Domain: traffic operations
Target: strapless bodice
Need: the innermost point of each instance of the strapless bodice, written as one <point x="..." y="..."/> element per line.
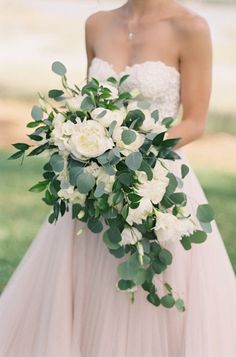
<point x="156" y="82"/>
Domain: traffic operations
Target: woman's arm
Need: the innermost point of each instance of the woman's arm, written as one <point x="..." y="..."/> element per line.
<point x="196" y="80"/>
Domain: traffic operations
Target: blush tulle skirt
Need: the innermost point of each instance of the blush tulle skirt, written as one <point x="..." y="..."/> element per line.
<point x="62" y="300"/>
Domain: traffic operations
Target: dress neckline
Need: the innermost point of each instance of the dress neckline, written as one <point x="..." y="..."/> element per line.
<point x="127" y="67"/>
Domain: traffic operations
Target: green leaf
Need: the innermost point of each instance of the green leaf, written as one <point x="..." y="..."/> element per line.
<point x="74" y="172"/>
<point x="128" y="270"/>
<point x="39" y="187"/>
<point x="123" y="78"/>
<point x="114" y="234"/>
<point x="172" y="185"/>
<point x="59" y="68"/>
<point x="206" y="227"/>
<point x="109" y="243"/>
<point x="165" y="256"/>
<point x="179" y="303"/>
<point x="55" y="93"/>
<point x="186" y="242"/>
<point x="153" y="299"/>
<point x="198" y="237"/>
<point x="85" y="182"/>
<point x="147" y="169"/>
<point x="38" y="150"/>
<point x="125" y="284"/>
<point x="184" y="170"/>
<point x="37" y="113"/>
<point x="16" y="155"/>
<point x="157" y="141"/>
<point x="57" y="163"/>
<point x="155" y="115"/>
<point x="21" y="146"/>
<point x="168" y="301"/>
<point x="134" y="197"/>
<point x="140" y="277"/>
<point x="33" y="124"/>
<point x="125" y="178"/>
<point x="112" y="80"/>
<point x="167" y="121"/>
<point x="179" y="198"/>
<point x="87" y="104"/>
<point x="128" y="136"/>
<point x="125" y="211"/>
<point x="134" y="160"/>
<point x="205" y="213"/>
<point x="99" y="191"/>
<point x="95" y="225"/>
<point x="169" y="143"/>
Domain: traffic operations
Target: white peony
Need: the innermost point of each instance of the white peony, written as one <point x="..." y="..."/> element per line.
<point x="167" y="227"/>
<point x="62" y="132"/>
<point x="170" y="228"/>
<point x="109" y="116"/>
<point x="74" y="103"/>
<point x="89" y="140"/>
<point x="141" y="212"/>
<point x="72" y="195"/>
<point x="127" y="148"/>
<point x="130" y="236"/>
<point x="154" y="189"/>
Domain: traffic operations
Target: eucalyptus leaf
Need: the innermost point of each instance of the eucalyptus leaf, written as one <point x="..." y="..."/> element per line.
<point x="205" y="213"/>
<point x="134" y="160"/>
<point x="37" y="113"/>
<point x="85" y="182"/>
<point x="59" y="68"/>
<point x="57" y="163"/>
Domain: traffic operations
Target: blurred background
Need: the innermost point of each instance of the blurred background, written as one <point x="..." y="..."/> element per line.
<point x="35" y="33"/>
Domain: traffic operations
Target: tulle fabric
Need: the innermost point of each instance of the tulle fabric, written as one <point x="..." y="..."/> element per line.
<point x="62" y="300"/>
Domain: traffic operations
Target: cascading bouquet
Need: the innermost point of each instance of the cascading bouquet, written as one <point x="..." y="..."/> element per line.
<point x="108" y="163"/>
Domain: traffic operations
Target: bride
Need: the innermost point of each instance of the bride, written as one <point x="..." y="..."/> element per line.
<point x="62" y="301"/>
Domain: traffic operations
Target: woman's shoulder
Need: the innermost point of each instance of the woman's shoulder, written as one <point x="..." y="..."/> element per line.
<point x="99" y="18"/>
<point x="189" y="23"/>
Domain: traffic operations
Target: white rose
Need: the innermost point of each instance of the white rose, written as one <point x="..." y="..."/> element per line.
<point x="167" y="227"/>
<point x="62" y="131"/>
<point x="141" y="212"/>
<point x="154" y="189"/>
<point x="114" y="91"/>
<point x="74" y="103"/>
<point x="89" y="140"/>
<point x="72" y="195"/>
<point x="109" y="116"/>
<point x="107" y="179"/>
<point x="130" y="236"/>
<point x="127" y="148"/>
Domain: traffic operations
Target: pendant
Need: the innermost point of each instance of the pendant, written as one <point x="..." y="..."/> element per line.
<point x="130" y="35"/>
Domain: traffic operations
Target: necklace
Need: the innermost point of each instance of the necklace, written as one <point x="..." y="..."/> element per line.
<point x="130" y="35"/>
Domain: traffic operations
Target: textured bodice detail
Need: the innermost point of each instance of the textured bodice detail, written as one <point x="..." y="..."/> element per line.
<point x="156" y="82"/>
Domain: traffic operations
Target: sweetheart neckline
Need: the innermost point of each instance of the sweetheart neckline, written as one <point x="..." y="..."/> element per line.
<point x="134" y="65"/>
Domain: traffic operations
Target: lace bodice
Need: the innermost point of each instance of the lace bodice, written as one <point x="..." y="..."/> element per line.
<point x="156" y="82"/>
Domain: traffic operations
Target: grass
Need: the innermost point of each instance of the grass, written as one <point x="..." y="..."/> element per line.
<point x="23" y="212"/>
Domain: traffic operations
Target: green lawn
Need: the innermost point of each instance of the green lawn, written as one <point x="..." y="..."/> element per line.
<point x="22" y="212"/>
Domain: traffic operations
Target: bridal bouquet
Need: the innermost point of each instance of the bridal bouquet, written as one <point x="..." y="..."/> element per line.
<point x="108" y="162"/>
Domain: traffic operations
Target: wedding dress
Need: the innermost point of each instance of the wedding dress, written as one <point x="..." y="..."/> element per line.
<point x="62" y="300"/>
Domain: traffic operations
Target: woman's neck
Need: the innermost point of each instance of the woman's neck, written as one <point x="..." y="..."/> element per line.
<point x="140" y="8"/>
